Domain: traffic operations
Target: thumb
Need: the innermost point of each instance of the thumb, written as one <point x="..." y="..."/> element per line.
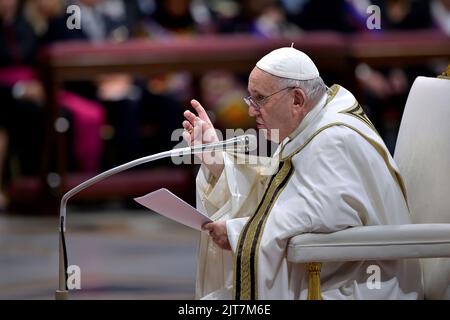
<point x="208" y="226"/>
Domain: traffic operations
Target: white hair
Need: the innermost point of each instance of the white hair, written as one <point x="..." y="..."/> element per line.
<point x="312" y="88"/>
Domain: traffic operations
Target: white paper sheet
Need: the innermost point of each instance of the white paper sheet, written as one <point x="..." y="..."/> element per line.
<point x="169" y="205"/>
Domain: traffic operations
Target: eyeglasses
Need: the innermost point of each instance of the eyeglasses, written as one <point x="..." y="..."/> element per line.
<point x="258" y="103"/>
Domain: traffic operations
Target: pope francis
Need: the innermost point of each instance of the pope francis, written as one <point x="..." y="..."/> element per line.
<point x="331" y="171"/>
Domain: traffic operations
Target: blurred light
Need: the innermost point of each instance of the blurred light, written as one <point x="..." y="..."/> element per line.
<point x="61" y="125"/>
<point x="363" y="71"/>
<point x="53" y="180"/>
<point x="107" y="132"/>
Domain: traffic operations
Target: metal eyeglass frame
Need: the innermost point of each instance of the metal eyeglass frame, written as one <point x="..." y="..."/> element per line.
<point x="257" y="104"/>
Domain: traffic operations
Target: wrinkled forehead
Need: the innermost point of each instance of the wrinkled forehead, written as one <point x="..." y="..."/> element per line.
<point x="261" y="81"/>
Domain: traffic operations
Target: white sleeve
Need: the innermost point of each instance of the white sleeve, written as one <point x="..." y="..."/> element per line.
<point x="224" y="197"/>
<point x="212" y="193"/>
<point x="234" y="229"/>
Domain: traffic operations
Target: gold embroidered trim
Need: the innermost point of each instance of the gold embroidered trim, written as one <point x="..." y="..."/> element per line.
<point x="332" y="92"/>
<point x="357" y="112"/>
<point x="246" y="258"/>
<point x="286" y="181"/>
<point x="445" y="74"/>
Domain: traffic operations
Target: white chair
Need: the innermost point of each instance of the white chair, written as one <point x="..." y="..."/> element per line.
<point x="423" y="156"/>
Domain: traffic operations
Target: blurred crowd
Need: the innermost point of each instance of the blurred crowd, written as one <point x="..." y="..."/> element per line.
<point x="118" y="117"/>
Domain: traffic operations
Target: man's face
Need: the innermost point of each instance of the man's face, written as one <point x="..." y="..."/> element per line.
<point x="275" y="112"/>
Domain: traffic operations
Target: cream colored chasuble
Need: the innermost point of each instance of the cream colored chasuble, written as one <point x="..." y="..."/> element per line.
<point x="332" y="173"/>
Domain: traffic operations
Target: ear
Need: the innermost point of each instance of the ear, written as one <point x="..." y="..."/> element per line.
<point x="299" y="99"/>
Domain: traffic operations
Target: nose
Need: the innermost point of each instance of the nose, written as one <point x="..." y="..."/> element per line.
<point x="252" y="111"/>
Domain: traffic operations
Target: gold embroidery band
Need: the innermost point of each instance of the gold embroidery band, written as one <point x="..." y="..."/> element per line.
<point x="358" y="112"/>
<point x="246" y="273"/>
<point x="237" y="273"/>
<point x="332" y="92"/>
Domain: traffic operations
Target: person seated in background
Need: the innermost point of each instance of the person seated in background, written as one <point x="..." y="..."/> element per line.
<point x="386" y="89"/>
<point x="440" y="15"/>
<point x="3" y="150"/>
<point x="113" y="107"/>
<point x="138" y="120"/>
<point x="177" y="18"/>
<point x="21" y="94"/>
<point x="266" y="18"/>
<point x="345" y="16"/>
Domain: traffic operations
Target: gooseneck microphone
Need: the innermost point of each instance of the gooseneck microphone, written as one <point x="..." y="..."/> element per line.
<point x="241" y="144"/>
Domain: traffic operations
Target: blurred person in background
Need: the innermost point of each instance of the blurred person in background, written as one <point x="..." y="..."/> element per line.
<point x="110" y="20"/>
<point x="49" y="21"/>
<point x="265" y="18"/>
<point x="21" y="93"/>
<point x="84" y="115"/>
<point x="173" y="19"/>
<point x="139" y="119"/>
<point x="327" y="15"/>
<point x="178" y="18"/>
<point x="165" y="92"/>
<point x="112" y="106"/>
<point x="222" y="90"/>
<point x="386" y="89"/>
<point x="440" y="15"/>
<point x="404" y="14"/>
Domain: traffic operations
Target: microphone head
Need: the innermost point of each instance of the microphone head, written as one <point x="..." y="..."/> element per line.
<point x="244" y="144"/>
<point x="240" y="144"/>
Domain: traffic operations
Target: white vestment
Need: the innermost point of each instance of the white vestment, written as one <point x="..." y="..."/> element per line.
<point x="332" y="173"/>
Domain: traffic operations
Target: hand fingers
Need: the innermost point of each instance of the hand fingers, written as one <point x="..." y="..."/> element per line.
<point x="190" y="116"/>
<point x="208" y="226"/>
<point x="214" y="231"/>
<point x="187" y="125"/>
<point x="187" y="137"/>
<point x="198" y="130"/>
<point x="200" y="110"/>
<point x="189" y="129"/>
<point x="222" y="243"/>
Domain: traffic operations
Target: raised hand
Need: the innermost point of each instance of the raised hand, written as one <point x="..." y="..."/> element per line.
<point x="200" y="130"/>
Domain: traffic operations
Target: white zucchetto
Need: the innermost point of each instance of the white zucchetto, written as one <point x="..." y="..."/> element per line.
<point x="288" y="63"/>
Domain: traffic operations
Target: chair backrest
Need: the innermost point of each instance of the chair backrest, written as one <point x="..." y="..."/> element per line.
<point x="423" y="156"/>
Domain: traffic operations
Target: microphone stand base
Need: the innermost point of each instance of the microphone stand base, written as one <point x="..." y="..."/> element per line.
<point x="61" y="295"/>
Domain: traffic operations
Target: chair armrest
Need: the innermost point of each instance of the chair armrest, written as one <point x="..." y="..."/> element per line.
<point x="385" y="242"/>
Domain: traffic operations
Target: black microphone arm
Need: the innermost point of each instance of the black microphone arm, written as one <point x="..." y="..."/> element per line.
<point x="244" y="143"/>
